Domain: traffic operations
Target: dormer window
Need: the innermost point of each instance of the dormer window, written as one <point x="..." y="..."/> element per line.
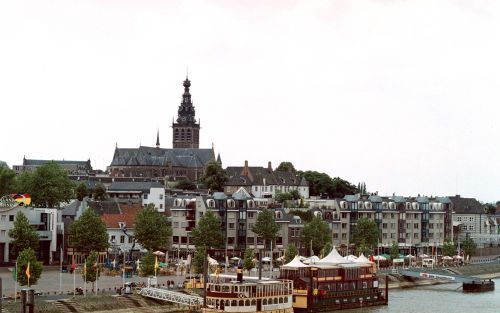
<point x="211" y="203"/>
<point x="230" y="203"/>
<point x="122" y="225"/>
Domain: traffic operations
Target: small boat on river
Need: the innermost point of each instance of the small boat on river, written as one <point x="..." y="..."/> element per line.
<point x="478" y="286"/>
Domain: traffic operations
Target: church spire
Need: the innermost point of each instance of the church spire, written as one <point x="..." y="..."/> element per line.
<point x="158" y="139"/>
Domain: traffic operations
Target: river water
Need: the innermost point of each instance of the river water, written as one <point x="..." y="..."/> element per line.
<point x="445" y="298"/>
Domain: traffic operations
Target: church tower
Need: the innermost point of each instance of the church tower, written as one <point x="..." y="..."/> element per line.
<point x="186" y="131"/>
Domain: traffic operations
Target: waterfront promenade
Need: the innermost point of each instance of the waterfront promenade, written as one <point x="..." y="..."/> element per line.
<point x="49" y="281"/>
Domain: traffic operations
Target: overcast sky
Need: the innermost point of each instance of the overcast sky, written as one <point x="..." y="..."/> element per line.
<point x="402" y="95"/>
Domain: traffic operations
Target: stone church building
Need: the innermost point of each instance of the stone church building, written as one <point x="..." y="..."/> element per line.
<point x="185" y="160"/>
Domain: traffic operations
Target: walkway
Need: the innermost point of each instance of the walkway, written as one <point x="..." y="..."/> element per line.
<point x="171" y="296"/>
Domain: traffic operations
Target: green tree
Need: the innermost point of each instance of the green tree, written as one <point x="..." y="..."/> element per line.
<point x="366" y="231"/>
<point x="295" y="194"/>
<point x="208" y="232"/>
<point x="469" y="247"/>
<point x="91" y="273"/>
<point x="152" y="229"/>
<point x="81" y="191"/>
<point x="320" y="184"/>
<point x="7" y="181"/>
<point x="248" y="263"/>
<point x="362" y="188"/>
<point x="449" y="249"/>
<point x="23" y="235"/>
<point x="394" y="251"/>
<point x="282" y="197"/>
<point x="317" y="234"/>
<point x="199" y="257"/>
<point x="214" y="177"/>
<point x="286" y="167"/>
<point x="341" y="188"/>
<point x="147" y="264"/>
<point x="89" y="232"/>
<point x="99" y="192"/>
<point x="266" y="227"/>
<point x="28" y="256"/>
<point x="290" y="252"/>
<point x="185" y="185"/>
<point x="51" y="186"/>
<point x="327" y="248"/>
<point x="24" y="182"/>
<point x="363" y="248"/>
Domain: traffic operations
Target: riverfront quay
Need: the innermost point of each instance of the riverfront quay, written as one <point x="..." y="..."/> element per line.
<point x="442" y="298"/>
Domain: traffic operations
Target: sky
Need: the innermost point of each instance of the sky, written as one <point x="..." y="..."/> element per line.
<point x="401" y="95"/>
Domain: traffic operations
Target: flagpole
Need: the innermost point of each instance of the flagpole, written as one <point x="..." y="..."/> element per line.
<point x="15" y="284"/>
<point x="85" y="277"/>
<point x="60" y="272"/>
<point x="74" y="281"/>
<point x="28" y="274"/>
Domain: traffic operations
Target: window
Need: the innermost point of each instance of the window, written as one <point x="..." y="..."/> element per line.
<point x="344" y="236"/>
<point x="431" y="226"/>
<point x="113" y="238"/>
<point x="122" y="239"/>
<point x="230" y="240"/>
<point x="415" y="216"/>
<point x="176" y="224"/>
<point x="407" y="236"/>
<point x="335" y="236"/>
<point x="384" y="225"/>
<point x="471" y="227"/>
<point x="161" y="206"/>
<point x="11" y="218"/>
<point x="415" y="226"/>
<point x="250" y="214"/>
<point x="145" y="196"/>
<point x="393" y="225"/>
<point x="393" y="236"/>
<point x="393" y="215"/>
<point x="384" y="236"/>
<point x="344" y="225"/>
<point x="161" y="197"/>
<point x="415" y="235"/>
<point x="344" y="215"/>
<point x="231" y="225"/>
<point x="130" y="240"/>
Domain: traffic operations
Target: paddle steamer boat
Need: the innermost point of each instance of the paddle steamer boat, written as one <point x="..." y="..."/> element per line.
<point x="262" y="296"/>
<point x="333" y="283"/>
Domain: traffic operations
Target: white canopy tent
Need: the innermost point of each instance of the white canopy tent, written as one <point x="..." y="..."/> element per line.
<point x="294" y="264"/>
<point x="362" y="259"/>
<point x="351" y="258"/>
<point x="333" y="258"/>
<point x="311" y="260"/>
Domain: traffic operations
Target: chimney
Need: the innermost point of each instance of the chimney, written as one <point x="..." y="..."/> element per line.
<point x="269" y="167"/>
<point x="245" y="169"/>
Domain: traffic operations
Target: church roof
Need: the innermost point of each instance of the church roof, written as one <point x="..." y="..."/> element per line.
<point x="151" y="156"/>
<point x="257" y="175"/>
<point x="134" y="186"/>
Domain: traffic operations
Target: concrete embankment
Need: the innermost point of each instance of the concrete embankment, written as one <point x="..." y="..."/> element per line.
<point x="484" y="271"/>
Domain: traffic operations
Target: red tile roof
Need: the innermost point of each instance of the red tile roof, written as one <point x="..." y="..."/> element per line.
<point x="129" y="212"/>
